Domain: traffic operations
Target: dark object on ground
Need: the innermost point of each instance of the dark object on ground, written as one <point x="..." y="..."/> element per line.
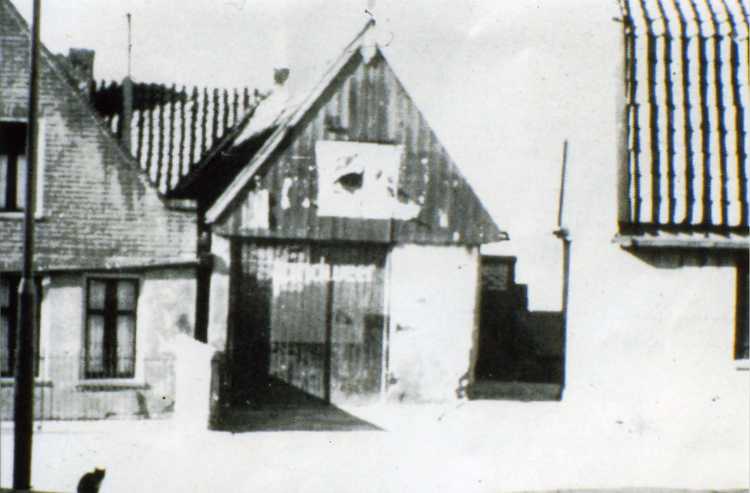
<point x="91" y="481"/>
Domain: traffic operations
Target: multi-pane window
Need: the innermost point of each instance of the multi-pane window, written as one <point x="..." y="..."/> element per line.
<point x="110" y="328"/>
<point x="8" y="324"/>
<point x="12" y="165"/>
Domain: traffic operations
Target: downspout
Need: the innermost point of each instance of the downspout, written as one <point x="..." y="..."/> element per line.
<point x="203" y="274"/>
<point x="564" y="235"/>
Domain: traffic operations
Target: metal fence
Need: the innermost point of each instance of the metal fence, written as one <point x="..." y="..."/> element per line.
<point x="61" y="392"/>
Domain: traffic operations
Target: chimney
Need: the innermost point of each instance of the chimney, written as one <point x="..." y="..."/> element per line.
<point x="280" y="75"/>
<point x="126" y="116"/>
<point x="79" y="69"/>
<point x="82" y="61"/>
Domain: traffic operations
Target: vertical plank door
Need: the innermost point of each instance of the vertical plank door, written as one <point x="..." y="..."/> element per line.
<point x="357" y="323"/>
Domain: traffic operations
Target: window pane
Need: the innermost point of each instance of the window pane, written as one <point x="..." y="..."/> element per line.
<point x="20" y="198"/>
<point x="97" y="292"/>
<point x="126" y="295"/>
<point x="125" y="340"/>
<point x="4" y="293"/>
<point x="3" y="181"/>
<point x="95" y="361"/>
<point x="5" y="348"/>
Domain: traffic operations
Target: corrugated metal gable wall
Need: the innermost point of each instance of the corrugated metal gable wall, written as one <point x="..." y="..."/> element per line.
<point x="366" y="103"/>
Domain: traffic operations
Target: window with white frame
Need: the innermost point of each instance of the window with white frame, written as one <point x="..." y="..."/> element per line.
<point x="12" y="166"/>
<point x="109" y="346"/>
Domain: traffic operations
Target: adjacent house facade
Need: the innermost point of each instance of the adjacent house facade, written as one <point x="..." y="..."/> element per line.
<point x="657" y="329"/>
<point x="114" y="263"/>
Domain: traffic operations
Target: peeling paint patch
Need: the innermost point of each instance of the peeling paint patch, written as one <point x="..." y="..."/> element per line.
<point x="256" y="210"/>
<point x="443" y="219"/>
<point x="285" y="189"/>
<point x="406" y="211"/>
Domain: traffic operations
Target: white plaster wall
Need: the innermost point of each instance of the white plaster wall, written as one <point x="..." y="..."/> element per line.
<point x="166" y="307"/>
<point x="649" y="342"/>
<point x="61" y="323"/>
<point x="219" y="295"/>
<point x="433" y="296"/>
<point x="193" y="381"/>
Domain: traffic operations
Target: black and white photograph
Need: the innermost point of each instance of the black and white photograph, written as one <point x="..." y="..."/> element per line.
<point x="374" y="246"/>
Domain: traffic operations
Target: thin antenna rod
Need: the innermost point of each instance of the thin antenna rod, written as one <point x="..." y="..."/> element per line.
<point x="562" y="184"/>
<point x="130" y="44"/>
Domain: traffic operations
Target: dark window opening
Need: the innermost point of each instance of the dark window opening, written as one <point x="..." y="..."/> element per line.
<point x="111" y="306"/>
<point x="9" y="304"/>
<point x="351" y="182"/>
<point x="742" y="328"/>
<point x="12" y="165"/>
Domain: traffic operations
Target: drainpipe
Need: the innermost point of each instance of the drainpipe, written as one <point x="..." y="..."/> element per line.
<point x="564" y="235"/>
<point x="203" y="274"/>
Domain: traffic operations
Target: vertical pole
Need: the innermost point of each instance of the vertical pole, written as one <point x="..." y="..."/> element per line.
<point x="565" y="293"/>
<point x="130" y="43"/>
<point x="23" y="410"/>
<point x="561" y="197"/>
<point x="564" y="236"/>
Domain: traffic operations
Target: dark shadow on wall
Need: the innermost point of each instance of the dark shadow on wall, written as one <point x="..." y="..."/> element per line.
<point x="521" y="352"/>
<point x="675" y="258"/>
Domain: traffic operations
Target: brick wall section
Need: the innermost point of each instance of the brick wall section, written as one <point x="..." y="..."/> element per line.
<point x="99" y="209"/>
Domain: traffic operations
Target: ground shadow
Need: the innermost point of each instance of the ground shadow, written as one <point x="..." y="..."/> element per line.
<point x="283" y="407"/>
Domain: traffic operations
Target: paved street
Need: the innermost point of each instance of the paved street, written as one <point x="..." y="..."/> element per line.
<point x="469" y="447"/>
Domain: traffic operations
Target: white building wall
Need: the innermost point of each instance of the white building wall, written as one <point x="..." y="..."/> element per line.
<point x="433" y="294"/>
<point x="650" y="337"/>
<point x="166" y="307"/>
<point x="219" y="294"/>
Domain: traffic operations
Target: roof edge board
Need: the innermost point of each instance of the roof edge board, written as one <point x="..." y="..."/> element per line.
<point x="238" y="184"/>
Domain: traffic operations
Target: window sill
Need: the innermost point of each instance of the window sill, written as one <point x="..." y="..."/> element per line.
<point x="19" y="216"/>
<point x="13" y="215"/>
<point x="742" y="365"/>
<point x="6" y="382"/>
<point x="110" y="384"/>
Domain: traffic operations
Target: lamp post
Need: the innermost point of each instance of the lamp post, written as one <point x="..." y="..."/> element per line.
<point x="23" y="410"/>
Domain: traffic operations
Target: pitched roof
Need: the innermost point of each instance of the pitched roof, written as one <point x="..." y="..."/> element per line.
<point x="285" y="113"/>
<point x="94" y="189"/>
<point x="278" y="117"/>
<point x="687" y="114"/>
<point x="62" y="73"/>
<point x="173" y="129"/>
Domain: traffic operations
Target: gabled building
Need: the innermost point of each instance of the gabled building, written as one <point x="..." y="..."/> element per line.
<point x="345" y="243"/>
<point x="115" y="262"/>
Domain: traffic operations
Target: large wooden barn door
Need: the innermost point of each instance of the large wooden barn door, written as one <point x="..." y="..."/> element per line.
<point x="312" y="315"/>
<point x="356" y="323"/>
<point x="298" y="322"/>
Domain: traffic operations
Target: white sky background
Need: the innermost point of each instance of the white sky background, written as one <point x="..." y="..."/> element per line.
<point x="502" y="83"/>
